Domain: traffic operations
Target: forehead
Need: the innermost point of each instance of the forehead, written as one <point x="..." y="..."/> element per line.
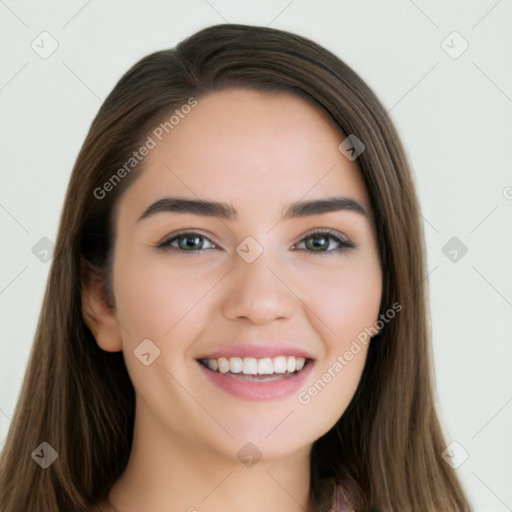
<point x="249" y="146"/>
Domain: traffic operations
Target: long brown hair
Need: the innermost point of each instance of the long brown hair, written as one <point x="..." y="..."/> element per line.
<point x="385" y="449"/>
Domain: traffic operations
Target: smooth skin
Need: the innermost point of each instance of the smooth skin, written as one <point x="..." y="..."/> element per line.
<point x="258" y="151"/>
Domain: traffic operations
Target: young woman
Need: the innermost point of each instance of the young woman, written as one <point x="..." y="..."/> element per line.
<point x="236" y="313"/>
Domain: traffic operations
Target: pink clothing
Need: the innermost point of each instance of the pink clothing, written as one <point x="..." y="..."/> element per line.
<point x="341" y="501"/>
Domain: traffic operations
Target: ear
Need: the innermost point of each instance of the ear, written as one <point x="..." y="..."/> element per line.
<point x="99" y="316"/>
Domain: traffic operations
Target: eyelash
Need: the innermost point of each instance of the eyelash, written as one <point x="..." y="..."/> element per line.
<point x="343" y="244"/>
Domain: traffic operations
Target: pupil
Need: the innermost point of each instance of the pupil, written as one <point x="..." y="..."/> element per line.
<point x="318" y="242"/>
<point x="195" y="242"/>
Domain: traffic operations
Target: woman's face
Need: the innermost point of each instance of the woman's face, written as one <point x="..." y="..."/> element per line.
<point x="245" y="285"/>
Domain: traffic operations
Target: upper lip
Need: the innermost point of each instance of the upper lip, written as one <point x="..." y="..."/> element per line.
<point x="258" y="350"/>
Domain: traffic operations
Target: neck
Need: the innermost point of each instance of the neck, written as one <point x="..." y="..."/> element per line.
<point x="167" y="474"/>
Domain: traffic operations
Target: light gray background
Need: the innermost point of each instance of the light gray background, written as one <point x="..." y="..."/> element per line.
<point x="453" y="114"/>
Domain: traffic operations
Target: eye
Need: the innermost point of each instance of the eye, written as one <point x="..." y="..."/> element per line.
<point x="188" y="241"/>
<point x="319" y="241"/>
<point x="326" y="241"/>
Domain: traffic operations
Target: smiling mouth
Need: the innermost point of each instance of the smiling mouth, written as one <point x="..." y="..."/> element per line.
<point x="254" y="369"/>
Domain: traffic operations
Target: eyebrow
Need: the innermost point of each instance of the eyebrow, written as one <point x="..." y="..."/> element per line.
<point x="228" y="212"/>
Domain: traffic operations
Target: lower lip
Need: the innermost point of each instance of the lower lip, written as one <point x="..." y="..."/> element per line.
<point x="251" y="390"/>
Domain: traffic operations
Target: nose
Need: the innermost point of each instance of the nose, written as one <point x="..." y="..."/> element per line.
<point x="259" y="292"/>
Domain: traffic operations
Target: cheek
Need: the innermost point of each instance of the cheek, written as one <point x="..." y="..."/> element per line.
<point x="162" y="303"/>
<point x="345" y="299"/>
<point x="153" y="298"/>
<point x="347" y="302"/>
<point x="326" y="397"/>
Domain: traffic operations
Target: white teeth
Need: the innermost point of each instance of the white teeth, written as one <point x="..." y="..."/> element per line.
<point x="279" y="364"/>
<point x="236" y="364"/>
<point x="223" y="365"/>
<point x="257" y="366"/>
<point x="250" y="366"/>
<point x="265" y="366"/>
